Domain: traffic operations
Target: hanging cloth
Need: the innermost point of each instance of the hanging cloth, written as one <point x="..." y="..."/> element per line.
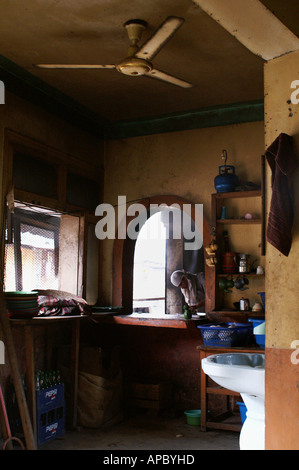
<point x="282" y="161"/>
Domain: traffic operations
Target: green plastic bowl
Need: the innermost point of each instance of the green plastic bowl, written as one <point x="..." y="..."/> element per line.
<point x="193" y="417"/>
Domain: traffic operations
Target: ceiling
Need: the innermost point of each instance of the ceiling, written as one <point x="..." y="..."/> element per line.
<point x="202" y="52"/>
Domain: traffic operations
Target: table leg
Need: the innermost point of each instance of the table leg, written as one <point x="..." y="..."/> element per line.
<point x="74" y="370"/>
<point x="203" y="395"/>
<point x="30" y="376"/>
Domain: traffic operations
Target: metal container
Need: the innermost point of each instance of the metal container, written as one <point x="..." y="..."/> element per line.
<point x="227" y="180"/>
<point x="244" y="304"/>
<point x="244" y="264"/>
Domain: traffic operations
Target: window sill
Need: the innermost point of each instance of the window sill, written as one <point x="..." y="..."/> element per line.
<point x="139" y="319"/>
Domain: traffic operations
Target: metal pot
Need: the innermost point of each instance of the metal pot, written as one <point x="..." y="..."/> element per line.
<point x="244" y="304"/>
<point x="244" y="263"/>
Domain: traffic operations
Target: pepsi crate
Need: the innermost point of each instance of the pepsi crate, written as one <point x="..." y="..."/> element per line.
<point x="51" y="396"/>
<point x="50" y="423"/>
<point x="226" y="334"/>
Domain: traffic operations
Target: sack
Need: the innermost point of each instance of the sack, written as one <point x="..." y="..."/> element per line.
<point x="99" y="400"/>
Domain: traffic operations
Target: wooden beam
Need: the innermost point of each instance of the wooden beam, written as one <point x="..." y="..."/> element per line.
<point x="31" y="88"/>
<point x="256" y="27"/>
<point x="234" y="113"/>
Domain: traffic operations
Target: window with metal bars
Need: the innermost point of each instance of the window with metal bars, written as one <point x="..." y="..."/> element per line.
<point x="34" y="247"/>
<point x="31" y="250"/>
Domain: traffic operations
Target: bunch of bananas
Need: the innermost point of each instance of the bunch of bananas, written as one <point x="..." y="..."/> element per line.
<point x="211" y="251"/>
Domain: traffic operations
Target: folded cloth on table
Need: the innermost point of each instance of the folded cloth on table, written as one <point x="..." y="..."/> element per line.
<point x="53" y="302"/>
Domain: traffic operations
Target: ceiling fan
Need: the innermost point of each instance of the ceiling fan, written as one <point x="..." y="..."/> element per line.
<point x="138" y="61"/>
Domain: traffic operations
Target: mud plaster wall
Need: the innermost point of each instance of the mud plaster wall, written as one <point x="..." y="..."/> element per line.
<point x="182" y="164"/>
<point x="282" y="311"/>
<point x="282" y="316"/>
<point x="179" y="163"/>
<point x="31" y="121"/>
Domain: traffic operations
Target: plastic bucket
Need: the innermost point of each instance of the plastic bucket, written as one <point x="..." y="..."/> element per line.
<point x="260" y="340"/>
<point x="258" y="330"/>
<point x="243" y="410"/>
<point x="193" y="417"/>
<point x="258" y="325"/>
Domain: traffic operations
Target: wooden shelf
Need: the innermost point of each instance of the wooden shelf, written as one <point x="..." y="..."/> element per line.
<point x="221" y="391"/>
<point x="237" y="194"/>
<point x="226" y="421"/>
<point x="234" y="315"/>
<point x="239" y="312"/>
<point x="239" y="221"/>
<point x="47" y="320"/>
<point x="256" y="223"/>
<point x="239" y="274"/>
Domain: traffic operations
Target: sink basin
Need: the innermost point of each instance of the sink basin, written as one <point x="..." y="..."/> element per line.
<point x="243" y="373"/>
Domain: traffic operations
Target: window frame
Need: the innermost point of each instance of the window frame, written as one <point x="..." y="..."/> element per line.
<point x="123" y="257"/>
<point x="19" y="218"/>
<point x="65" y="163"/>
<point x="164" y="298"/>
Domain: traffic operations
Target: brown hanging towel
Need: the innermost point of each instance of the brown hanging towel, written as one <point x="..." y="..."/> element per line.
<point x="282" y="161"/>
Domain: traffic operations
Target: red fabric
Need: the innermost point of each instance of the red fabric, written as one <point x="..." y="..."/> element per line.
<point x="53" y="303"/>
<point x="282" y="161"/>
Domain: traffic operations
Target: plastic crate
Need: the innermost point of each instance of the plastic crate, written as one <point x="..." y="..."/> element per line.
<point x="50" y="423"/>
<point x="51" y="396"/>
<point x="225" y="335"/>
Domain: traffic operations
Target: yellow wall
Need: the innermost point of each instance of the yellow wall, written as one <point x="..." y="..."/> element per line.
<point x="282" y="311"/>
<point x="282" y="273"/>
<point x="179" y="163"/>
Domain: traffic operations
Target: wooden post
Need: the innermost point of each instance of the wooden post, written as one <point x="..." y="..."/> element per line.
<point x="30" y="375"/>
<point x="74" y="369"/>
<point x="11" y="354"/>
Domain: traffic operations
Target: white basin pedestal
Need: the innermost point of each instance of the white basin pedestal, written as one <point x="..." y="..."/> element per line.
<point x="243" y="373"/>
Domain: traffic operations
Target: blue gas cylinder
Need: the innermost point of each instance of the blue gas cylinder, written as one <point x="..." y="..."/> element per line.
<point x="227" y="180"/>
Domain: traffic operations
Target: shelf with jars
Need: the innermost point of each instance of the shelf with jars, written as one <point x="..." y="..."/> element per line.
<point x="238" y="260"/>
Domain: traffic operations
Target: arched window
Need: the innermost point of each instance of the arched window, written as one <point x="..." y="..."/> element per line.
<point x="142" y="267"/>
<point x="149" y="289"/>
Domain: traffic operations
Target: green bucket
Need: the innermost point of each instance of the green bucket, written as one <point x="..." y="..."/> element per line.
<point x="193" y="417"/>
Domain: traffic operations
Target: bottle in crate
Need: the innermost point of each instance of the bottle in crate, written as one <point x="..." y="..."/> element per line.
<point x="50" y="423"/>
<point x="50" y="405"/>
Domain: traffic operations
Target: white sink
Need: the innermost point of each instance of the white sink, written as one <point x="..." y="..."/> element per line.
<point x="243" y="373"/>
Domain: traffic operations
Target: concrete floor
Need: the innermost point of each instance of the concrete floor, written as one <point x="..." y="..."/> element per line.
<point x="146" y="431"/>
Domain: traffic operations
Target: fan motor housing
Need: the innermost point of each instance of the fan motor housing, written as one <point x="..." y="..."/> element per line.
<point x="134" y="66"/>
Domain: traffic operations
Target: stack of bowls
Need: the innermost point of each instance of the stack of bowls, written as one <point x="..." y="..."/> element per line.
<point x="22" y="304"/>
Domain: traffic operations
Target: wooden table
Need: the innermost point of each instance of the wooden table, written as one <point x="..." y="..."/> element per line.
<point x="28" y="325"/>
<point x="218" y="423"/>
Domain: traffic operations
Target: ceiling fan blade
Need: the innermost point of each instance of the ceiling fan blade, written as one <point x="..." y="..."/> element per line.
<point x="165" y="77"/>
<point x="153" y="45"/>
<point x="74" y="66"/>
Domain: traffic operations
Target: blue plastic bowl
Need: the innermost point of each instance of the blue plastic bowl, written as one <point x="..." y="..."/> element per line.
<point x="256" y="322"/>
<point x="260" y="340"/>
